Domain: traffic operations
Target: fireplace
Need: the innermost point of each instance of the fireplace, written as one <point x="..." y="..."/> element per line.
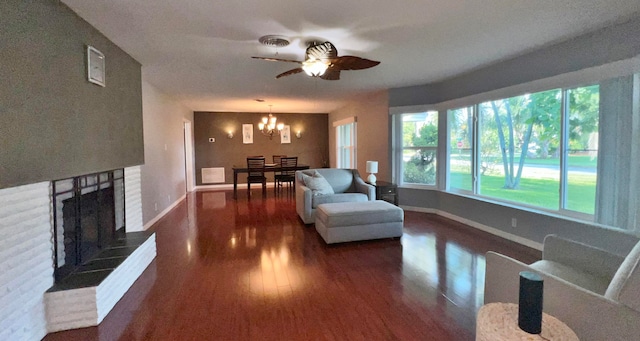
<point x="96" y="262"/>
<point x="88" y="217"/>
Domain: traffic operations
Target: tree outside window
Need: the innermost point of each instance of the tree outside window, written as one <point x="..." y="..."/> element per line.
<point x="419" y="147"/>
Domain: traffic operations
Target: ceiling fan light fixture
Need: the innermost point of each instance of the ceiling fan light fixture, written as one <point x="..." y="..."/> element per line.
<point x="319" y="57"/>
<point x="314" y="67"/>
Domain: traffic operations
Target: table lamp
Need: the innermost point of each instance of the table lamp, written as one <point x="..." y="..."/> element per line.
<point x="372" y="169"/>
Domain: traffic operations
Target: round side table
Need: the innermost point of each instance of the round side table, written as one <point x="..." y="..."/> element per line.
<point x="499" y="321"/>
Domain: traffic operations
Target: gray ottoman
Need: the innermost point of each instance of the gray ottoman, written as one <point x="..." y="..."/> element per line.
<point x="350" y="221"/>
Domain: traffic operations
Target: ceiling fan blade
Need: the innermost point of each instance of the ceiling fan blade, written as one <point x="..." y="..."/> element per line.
<point x="290" y="72"/>
<point x="278" y="60"/>
<point x="322" y="51"/>
<point x="352" y="63"/>
<point x="331" y="74"/>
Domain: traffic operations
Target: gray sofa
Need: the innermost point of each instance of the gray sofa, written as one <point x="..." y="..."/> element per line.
<point x="347" y="185"/>
<point x="595" y="291"/>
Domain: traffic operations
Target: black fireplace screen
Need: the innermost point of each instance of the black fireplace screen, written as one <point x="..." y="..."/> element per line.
<point x="88" y="214"/>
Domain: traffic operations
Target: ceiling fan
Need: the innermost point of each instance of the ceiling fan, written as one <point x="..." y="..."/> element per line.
<point x="321" y="60"/>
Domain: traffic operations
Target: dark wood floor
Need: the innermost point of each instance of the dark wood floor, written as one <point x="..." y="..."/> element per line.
<point x="250" y="270"/>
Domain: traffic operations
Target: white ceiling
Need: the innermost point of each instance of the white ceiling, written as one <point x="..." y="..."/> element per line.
<point x="199" y="50"/>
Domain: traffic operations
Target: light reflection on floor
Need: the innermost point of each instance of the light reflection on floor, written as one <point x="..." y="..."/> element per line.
<point x="444" y="268"/>
<point x="251" y="269"/>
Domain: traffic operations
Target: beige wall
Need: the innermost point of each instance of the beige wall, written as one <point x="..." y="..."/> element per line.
<point x="373" y="132"/>
<point x="163" y="172"/>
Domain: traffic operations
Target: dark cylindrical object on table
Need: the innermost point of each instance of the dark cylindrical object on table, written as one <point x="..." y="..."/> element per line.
<point x="530" y="303"/>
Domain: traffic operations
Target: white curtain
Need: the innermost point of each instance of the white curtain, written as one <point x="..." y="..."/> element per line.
<point x="619" y="159"/>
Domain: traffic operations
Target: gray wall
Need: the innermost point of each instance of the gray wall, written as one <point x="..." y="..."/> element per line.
<point x="54" y="123"/>
<point x="616" y="43"/>
<point x="531" y="225"/>
<point x="311" y="149"/>
<point x="608" y="45"/>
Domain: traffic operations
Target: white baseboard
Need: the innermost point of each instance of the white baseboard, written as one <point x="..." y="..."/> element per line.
<point x="222" y="187"/>
<point x="163" y="213"/>
<point x="213" y="187"/>
<point x="492" y="230"/>
<point x="419" y="209"/>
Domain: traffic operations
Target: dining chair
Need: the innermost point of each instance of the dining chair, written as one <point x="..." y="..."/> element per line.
<point x="276" y="161"/>
<point x="255" y="166"/>
<point x="288" y="174"/>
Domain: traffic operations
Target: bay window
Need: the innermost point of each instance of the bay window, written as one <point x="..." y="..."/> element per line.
<point x="570" y="151"/>
<point x="538" y="149"/>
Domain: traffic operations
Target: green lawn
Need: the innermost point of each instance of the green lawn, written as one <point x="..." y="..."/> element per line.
<point x="536" y="192"/>
<point x="540" y="189"/>
<point x="582" y="161"/>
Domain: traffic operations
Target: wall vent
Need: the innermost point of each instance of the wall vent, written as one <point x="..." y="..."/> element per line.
<point x="212" y="175"/>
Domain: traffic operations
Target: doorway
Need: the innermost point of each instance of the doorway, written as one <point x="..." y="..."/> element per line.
<point x="188" y="157"/>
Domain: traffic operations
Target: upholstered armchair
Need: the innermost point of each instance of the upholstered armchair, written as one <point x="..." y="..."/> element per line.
<point x="346" y="185"/>
<point x="596" y="292"/>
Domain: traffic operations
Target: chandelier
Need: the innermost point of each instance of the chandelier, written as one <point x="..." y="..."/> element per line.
<point x="269" y="127"/>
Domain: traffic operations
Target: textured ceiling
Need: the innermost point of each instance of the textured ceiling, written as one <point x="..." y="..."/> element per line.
<point x="199" y="50"/>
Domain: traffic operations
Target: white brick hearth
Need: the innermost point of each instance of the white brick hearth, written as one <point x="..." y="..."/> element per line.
<point x="26" y="266"/>
<point x="84" y="307"/>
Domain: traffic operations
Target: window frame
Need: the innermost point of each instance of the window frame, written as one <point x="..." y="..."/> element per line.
<point x="475" y="167"/>
<point x="350" y="124"/>
<point x="474" y="151"/>
<point x="398" y="149"/>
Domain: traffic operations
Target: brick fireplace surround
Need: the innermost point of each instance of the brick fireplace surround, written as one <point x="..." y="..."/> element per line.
<point x="27" y="310"/>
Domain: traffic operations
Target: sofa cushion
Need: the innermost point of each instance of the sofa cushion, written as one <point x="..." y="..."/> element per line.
<point x="337" y="197"/>
<point x="317" y="184"/>
<point x="580" y="278"/>
<point x="625" y="284"/>
<point x="340" y="179"/>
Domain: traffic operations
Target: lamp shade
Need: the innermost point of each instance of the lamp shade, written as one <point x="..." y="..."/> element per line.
<point x="372" y="166"/>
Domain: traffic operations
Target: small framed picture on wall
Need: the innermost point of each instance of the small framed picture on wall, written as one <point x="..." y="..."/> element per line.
<point x="285" y="134"/>
<point x="95" y="66"/>
<point x="247" y="133"/>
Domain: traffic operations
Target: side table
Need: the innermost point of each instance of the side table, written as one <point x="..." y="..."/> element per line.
<point x="386" y="191"/>
<point x="499" y="321"/>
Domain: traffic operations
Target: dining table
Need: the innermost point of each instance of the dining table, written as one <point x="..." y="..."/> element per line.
<point x="269" y="167"/>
